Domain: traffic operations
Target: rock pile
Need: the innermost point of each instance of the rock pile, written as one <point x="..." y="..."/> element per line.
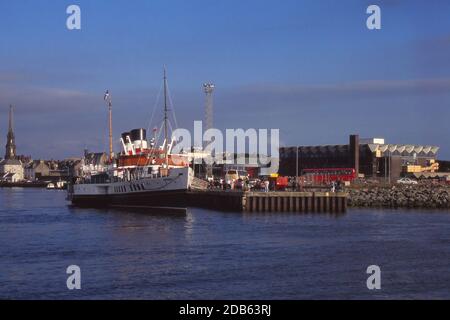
<point x="414" y="196"/>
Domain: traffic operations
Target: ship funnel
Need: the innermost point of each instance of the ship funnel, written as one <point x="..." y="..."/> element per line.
<point x="138" y="135"/>
<point x="139" y="139"/>
<point x="124" y="136"/>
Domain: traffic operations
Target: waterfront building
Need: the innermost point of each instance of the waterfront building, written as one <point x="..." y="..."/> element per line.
<point x="95" y="163"/>
<point x="369" y="157"/>
<point x="11" y="168"/>
<point x="73" y="166"/>
<point x="36" y="169"/>
<point x="53" y="170"/>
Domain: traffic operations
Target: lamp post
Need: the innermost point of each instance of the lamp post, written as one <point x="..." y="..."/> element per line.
<point x="390" y="160"/>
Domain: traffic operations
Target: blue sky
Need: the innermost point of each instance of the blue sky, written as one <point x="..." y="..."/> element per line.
<point x="310" y="68"/>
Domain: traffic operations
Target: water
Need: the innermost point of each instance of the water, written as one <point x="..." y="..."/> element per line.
<point x="213" y="255"/>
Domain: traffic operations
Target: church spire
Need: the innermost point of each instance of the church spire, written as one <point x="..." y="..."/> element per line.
<point x="10" y="118"/>
<point x="10" y="140"/>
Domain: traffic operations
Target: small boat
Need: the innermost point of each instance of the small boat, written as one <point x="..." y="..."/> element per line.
<point x="50" y="186"/>
<point x="61" y="185"/>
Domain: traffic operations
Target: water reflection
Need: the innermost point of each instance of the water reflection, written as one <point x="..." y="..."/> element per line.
<point x="204" y="254"/>
<point x="189" y="225"/>
<point x="150" y="211"/>
<point x="251" y="215"/>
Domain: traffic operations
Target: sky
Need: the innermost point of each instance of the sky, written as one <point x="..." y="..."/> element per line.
<point x="309" y="68"/>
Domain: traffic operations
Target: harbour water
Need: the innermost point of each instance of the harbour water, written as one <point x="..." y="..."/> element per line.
<point x="214" y="255"/>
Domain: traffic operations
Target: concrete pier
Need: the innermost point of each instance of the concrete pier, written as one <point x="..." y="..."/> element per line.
<point x="219" y="200"/>
<point x="320" y="202"/>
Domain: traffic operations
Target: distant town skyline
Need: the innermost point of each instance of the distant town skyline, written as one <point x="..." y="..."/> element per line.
<point x="309" y="68"/>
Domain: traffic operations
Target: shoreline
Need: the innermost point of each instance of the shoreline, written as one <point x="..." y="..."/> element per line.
<point x="35" y="185"/>
<point x="360" y="197"/>
<point x="400" y="197"/>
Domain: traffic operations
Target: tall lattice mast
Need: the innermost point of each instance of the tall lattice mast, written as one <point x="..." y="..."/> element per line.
<point x="209" y="110"/>
<point x="209" y="116"/>
<point x="108" y="101"/>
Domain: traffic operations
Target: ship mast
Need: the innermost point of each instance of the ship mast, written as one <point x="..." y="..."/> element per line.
<point x="110" y="132"/>
<point x="166" y="136"/>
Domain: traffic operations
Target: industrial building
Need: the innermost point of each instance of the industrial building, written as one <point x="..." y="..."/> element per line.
<point x="369" y="157"/>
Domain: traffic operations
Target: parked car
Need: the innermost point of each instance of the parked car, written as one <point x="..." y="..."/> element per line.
<point x="407" y="181"/>
<point x="233" y="175"/>
<point x="255" y="184"/>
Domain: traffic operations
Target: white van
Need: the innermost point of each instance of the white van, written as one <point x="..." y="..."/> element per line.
<point x="234" y="175"/>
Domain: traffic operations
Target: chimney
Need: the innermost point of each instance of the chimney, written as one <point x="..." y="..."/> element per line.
<point x="354" y="152"/>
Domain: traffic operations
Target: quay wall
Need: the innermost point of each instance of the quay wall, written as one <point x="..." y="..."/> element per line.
<point x="23" y="185"/>
<point x="320" y="202"/>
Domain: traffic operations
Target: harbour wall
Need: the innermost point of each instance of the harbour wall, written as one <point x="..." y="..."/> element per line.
<point x="399" y="196"/>
<point x="23" y="185"/>
<point x="320" y="202"/>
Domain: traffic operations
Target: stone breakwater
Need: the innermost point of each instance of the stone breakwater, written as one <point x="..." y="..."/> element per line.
<point x="415" y="196"/>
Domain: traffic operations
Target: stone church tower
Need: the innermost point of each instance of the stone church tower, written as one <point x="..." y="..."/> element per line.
<point x="11" y="169"/>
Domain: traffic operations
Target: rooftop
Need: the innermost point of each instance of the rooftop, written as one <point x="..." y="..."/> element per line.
<point x="11" y="162"/>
